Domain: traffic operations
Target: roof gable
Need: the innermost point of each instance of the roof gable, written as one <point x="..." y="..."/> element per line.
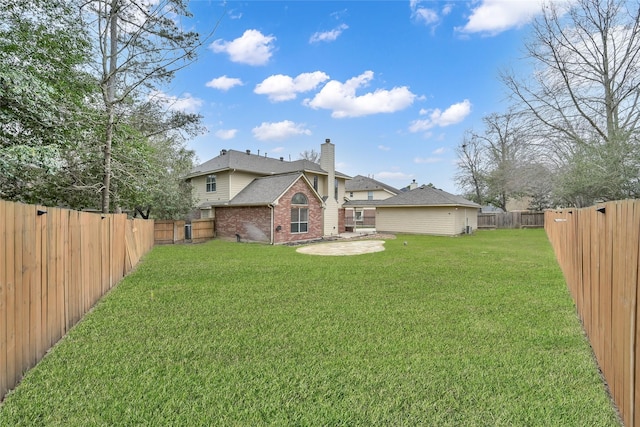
<point x="426" y="196"/>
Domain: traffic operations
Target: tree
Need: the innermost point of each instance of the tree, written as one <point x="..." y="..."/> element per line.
<point x="150" y="166"/>
<point x="584" y="93"/>
<point x="498" y="163"/>
<point x="311" y="155"/>
<point x="471" y="175"/>
<point x="43" y="92"/>
<point x="140" y="45"/>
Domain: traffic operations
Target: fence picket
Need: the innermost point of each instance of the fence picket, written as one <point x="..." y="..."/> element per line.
<point x="54" y="266"/>
<point x="599" y="255"/>
<point x="4" y="218"/>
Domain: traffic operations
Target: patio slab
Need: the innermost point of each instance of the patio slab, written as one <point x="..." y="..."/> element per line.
<point x="356" y="247"/>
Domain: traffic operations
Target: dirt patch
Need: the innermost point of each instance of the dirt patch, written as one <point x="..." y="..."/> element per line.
<point x="353" y="247"/>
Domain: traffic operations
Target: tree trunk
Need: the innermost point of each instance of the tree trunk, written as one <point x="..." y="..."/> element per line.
<point x="111" y="90"/>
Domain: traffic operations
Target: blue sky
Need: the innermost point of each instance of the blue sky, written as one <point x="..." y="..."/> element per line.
<point x="393" y="84"/>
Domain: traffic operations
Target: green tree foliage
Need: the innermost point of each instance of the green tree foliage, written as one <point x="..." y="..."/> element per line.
<point x="42" y="90"/>
<point x="58" y="104"/>
<point x="139" y="47"/>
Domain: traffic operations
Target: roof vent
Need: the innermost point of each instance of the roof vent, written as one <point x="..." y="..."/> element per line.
<point x="248" y="151"/>
<point x="282" y="159"/>
<point x="327" y="140"/>
<point x="223" y="152"/>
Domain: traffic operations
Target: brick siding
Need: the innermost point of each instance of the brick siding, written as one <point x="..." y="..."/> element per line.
<point x="282" y="215"/>
<point x="251" y="223"/>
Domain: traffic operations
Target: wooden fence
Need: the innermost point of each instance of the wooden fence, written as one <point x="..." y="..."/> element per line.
<point x="170" y="231"/>
<point x="598" y="251"/>
<point x="511" y="220"/>
<point x="55" y="264"/>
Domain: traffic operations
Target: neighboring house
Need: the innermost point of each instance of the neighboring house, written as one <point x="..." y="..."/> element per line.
<point x="426" y="210"/>
<point x="362" y="193"/>
<point x="490" y="209"/>
<point x="258" y="198"/>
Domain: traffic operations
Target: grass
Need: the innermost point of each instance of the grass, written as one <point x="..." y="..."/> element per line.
<point x="475" y="331"/>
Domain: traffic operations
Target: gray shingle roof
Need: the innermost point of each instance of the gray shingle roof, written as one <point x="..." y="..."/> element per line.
<point x="264" y="191"/>
<point x="426" y="196"/>
<point x="239" y="160"/>
<point x="363" y="183"/>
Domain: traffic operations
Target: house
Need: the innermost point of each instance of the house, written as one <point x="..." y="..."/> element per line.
<point x="258" y="198"/>
<point x="426" y="210"/>
<point x="362" y="193"/>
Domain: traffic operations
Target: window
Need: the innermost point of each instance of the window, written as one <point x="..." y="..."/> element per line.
<point x="370" y="195"/>
<point x="299" y="213"/>
<point x="351" y="194"/>
<point x="211" y="183"/>
<point x="315" y="182"/>
<point x="335" y="188"/>
<point x="358" y="215"/>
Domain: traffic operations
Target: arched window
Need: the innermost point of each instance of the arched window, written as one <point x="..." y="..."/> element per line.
<point x="299" y="213"/>
<point x="299" y="199"/>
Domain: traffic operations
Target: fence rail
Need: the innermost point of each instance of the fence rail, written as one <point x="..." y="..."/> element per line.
<point x="54" y="266"/>
<point x="511" y="220"/>
<point x="598" y="251"/>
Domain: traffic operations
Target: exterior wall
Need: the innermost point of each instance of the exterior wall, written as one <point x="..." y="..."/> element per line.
<point x="440" y="221"/>
<point x="228" y="185"/>
<point x="364" y="195"/>
<point x="331" y="225"/>
<point x="282" y="215"/>
<point x="252" y="223"/>
<point x="238" y="181"/>
<point x="221" y="194"/>
<point x="466" y="217"/>
<point x="341" y="191"/>
<point x="342" y="220"/>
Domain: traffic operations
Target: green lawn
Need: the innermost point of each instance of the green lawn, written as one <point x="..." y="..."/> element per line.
<point x="470" y="331"/>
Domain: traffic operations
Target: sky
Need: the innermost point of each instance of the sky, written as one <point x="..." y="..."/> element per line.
<point x="393" y="84"/>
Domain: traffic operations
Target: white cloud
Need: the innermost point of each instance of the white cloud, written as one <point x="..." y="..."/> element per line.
<point x="428" y="16"/>
<point x="440" y="150"/>
<point x="252" y="48"/>
<point x="226" y="133"/>
<point x="495" y="16"/>
<point x="283" y="88"/>
<point x="451" y="116"/>
<point x="224" y="83"/>
<point x="279" y="130"/>
<point x="186" y="103"/>
<point x="328" y="36"/>
<point x="342" y="98"/>
<point x="383" y="148"/>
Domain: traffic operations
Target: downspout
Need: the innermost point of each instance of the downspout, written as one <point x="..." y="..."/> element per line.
<point x="272" y="207"/>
